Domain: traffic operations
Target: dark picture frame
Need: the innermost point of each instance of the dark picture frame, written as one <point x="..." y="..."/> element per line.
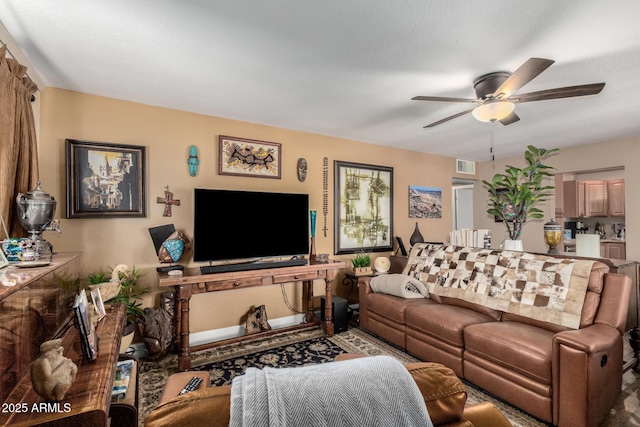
<point x="249" y="157"/>
<point x="363" y="203"/>
<point x="105" y="180"/>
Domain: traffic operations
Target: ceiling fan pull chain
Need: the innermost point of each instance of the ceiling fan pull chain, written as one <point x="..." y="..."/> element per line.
<point x="492" y="148"/>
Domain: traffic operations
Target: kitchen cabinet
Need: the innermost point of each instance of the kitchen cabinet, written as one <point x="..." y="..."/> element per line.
<point x="573" y="199"/>
<point x="584" y="199"/>
<point x="615" y="194"/>
<point x="613" y="250"/>
<point x="595" y="198"/>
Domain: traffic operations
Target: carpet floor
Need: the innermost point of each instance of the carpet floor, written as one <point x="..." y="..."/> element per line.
<point x="310" y="346"/>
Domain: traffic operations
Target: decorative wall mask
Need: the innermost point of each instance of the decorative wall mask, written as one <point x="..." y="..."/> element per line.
<point x="193" y="160"/>
<point x="302" y="169"/>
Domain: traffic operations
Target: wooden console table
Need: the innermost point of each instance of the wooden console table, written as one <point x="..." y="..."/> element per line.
<point x="88" y="401"/>
<point x="192" y="282"/>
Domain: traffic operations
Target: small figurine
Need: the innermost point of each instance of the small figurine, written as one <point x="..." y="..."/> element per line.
<point x="257" y="321"/>
<point x="193" y="160"/>
<point x="52" y="374"/>
<point x="157" y="328"/>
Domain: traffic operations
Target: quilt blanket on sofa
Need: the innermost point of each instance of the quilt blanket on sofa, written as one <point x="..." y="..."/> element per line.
<point x="535" y="286"/>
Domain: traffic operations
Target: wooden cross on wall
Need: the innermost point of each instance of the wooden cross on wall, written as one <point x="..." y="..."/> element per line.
<point x="168" y="201"/>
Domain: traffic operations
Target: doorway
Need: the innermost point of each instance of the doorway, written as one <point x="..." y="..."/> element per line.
<point x="462" y="193"/>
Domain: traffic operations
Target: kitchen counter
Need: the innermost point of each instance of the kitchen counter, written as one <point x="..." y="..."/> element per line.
<point x="572" y="242"/>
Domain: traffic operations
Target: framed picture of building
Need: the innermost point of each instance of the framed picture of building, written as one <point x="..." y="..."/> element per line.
<point x="363" y="219"/>
<point x="105" y="180"/>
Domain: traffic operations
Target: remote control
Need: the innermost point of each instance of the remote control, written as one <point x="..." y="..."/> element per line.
<point x="191" y="385"/>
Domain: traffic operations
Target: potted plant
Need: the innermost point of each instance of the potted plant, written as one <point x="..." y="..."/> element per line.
<point x="130" y="293"/>
<point x="361" y="263"/>
<point x="512" y="194"/>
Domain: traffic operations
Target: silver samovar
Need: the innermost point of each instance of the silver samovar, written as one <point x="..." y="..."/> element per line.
<point x="35" y="213"/>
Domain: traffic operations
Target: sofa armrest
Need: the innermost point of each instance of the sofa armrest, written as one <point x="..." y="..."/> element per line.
<point x="364" y="288"/>
<point x="587" y="374"/>
<point x="614" y="301"/>
<point x="207" y="407"/>
<point x="484" y="414"/>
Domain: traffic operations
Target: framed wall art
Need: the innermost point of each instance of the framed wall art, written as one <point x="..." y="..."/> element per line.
<point x="363" y="208"/>
<point x="249" y="157"/>
<point x="425" y="202"/>
<point x="105" y="180"/>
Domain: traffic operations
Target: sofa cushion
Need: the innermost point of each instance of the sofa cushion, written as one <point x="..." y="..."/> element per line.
<point x="390" y="306"/>
<point x="519" y="347"/>
<point x="494" y="314"/>
<point x="445" y="322"/>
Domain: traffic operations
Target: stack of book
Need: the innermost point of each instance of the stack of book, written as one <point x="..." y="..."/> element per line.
<point x="121" y="381"/>
<point x="480" y="238"/>
<point x="88" y="336"/>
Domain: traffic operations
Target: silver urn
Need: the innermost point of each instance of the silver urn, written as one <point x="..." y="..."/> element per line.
<point x="35" y="213"/>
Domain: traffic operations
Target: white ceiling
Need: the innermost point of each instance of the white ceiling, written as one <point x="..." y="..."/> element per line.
<point x="347" y="68"/>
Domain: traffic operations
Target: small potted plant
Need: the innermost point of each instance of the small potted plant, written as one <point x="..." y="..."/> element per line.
<point x="130" y="293"/>
<point x="361" y="264"/>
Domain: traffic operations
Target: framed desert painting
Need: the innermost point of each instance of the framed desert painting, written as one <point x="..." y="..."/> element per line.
<point x="425" y="202"/>
<point x="363" y="208"/>
<point x="249" y="157"/>
<point x="105" y="180"/>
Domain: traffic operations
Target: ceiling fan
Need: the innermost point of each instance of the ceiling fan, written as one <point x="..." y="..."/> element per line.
<point x="496" y="93"/>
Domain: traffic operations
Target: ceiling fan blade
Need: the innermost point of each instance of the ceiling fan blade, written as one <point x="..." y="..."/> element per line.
<point x="560" y="92"/>
<point x="511" y="118"/>
<point x="446" y="119"/>
<point x="523" y="75"/>
<point x="443" y="99"/>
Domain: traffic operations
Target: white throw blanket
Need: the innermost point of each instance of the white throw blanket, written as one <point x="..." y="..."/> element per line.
<point x="369" y="391"/>
<point x="399" y="285"/>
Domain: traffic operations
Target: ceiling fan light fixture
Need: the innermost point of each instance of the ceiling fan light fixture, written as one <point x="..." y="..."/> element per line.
<point x="492" y="111"/>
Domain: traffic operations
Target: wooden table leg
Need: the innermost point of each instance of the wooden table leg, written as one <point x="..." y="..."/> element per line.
<point x="308" y="290"/>
<point x="328" y="308"/>
<point x="183" y="295"/>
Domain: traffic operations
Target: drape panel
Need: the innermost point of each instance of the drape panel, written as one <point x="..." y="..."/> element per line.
<point x="18" y="147"/>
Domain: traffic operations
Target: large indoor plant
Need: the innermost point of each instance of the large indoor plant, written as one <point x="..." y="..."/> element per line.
<point x="513" y="193"/>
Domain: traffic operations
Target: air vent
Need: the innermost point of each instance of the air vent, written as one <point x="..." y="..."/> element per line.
<point x="465" y="166"/>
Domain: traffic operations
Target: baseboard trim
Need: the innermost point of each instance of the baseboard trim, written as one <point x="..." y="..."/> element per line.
<point x="213" y="335"/>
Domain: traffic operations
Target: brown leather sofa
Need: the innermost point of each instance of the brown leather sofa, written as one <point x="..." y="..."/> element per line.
<point x="563" y="376"/>
<point x="445" y="397"/>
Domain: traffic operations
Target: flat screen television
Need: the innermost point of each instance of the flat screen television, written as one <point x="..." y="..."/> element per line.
<point x="249" y="225"/>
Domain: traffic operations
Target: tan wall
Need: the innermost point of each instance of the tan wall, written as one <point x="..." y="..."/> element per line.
<point x="168" y="134"/>
<point x="623" y="152"/>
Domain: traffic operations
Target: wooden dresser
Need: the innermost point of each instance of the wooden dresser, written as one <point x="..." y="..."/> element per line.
<point x="33" y="303"/>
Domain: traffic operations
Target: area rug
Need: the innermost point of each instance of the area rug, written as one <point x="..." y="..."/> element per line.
<point x="310" y="346"/>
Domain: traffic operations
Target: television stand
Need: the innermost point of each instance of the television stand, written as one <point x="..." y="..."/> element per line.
<point x="193" y="282"/>
<point x="256" y="265"/>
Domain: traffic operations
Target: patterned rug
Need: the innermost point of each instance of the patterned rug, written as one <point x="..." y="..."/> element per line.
<point x="310" y="346"/>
